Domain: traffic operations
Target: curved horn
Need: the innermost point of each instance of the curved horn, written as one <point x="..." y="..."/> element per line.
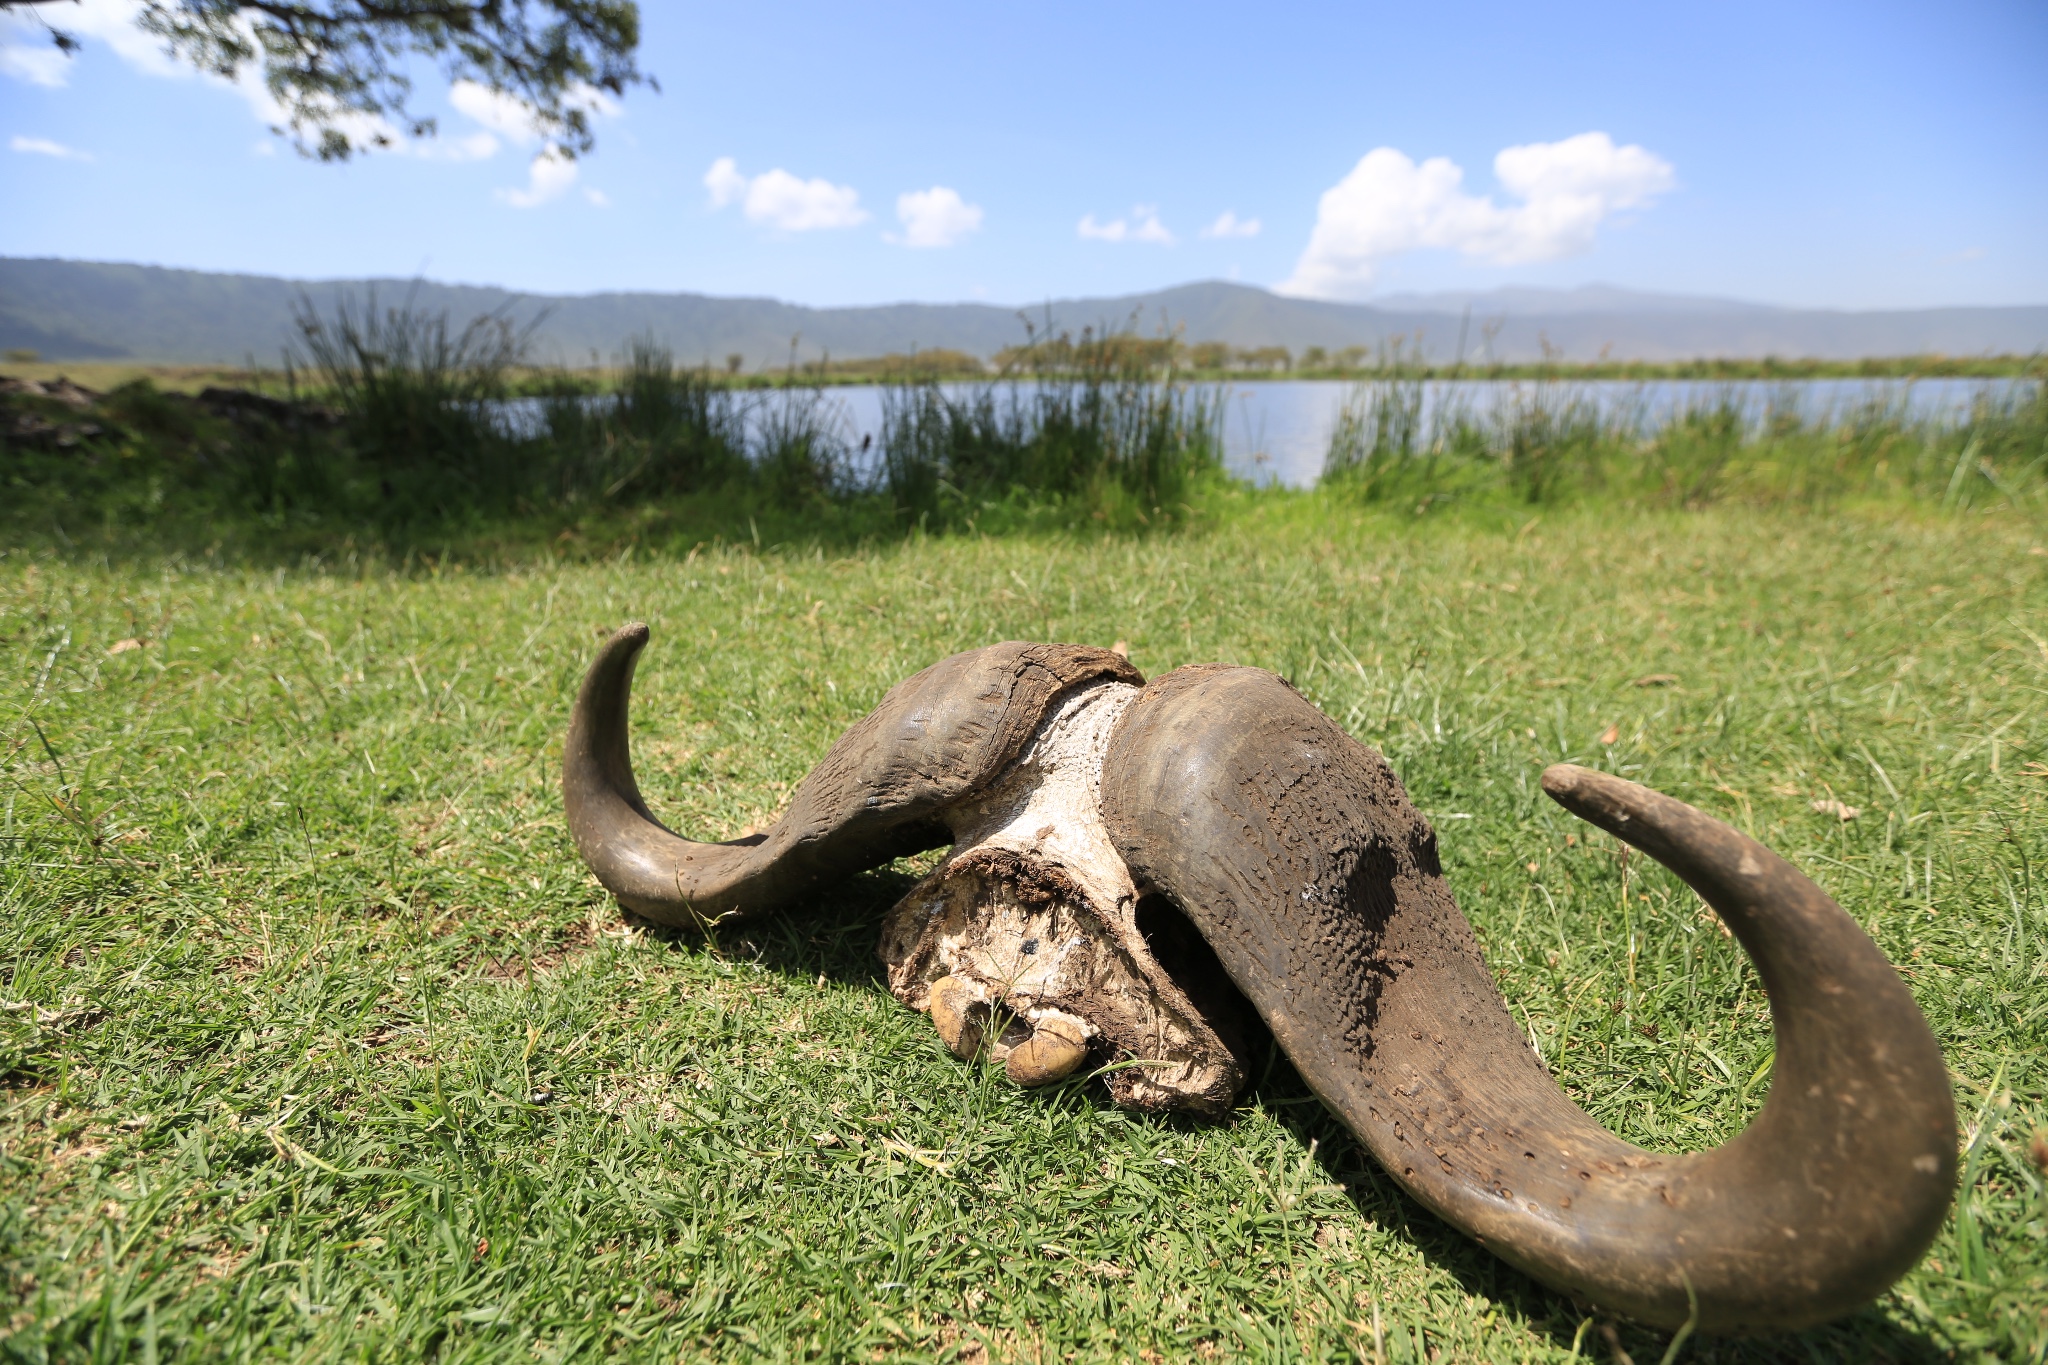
<point x="877" y="795"/>
<point x="1296" y="852"/>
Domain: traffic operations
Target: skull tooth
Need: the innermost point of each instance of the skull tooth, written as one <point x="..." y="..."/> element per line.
<point x="1056" y="1046"/>
<point x="958" y="1012"/>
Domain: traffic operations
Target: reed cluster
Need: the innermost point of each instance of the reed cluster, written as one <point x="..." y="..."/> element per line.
<point x="438" y="420"/>
<point x="393" y="426"/>
<point x="1117" y="448"/>
<point x="393" y="423"/>
<point x="1410" y="441"/>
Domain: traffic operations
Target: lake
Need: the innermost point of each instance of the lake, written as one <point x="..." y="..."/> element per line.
<point x="1279" y="430"/>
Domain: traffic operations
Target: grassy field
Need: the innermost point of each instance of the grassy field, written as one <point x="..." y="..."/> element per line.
<point x="318" y="1042"/>
<point x="110" y="374"/>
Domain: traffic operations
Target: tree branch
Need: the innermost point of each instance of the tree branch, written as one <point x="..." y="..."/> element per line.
<point x="339" y="71"/>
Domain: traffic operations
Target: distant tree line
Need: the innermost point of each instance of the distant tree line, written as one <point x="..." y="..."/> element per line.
<point x="1123" y="352"/>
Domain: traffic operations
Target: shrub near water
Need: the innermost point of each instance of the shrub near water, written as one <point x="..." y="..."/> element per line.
<point x="1095" y="428"/>
<point x="396" y="428"/>
<point x="1553" y="443"/>
<point x="666" y="430"/>
<point x="73" y="462"/>
<point x="417" y="400"/>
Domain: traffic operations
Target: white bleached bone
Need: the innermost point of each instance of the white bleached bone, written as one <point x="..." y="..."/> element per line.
<point x="1026" y="943"/>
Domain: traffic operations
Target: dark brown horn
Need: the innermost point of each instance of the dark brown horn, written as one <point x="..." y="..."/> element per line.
<point x="877" y="795"/>
<point x="1296" y="852"/>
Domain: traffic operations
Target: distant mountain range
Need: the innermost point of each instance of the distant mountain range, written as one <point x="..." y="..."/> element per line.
<point x="86" y="310"/>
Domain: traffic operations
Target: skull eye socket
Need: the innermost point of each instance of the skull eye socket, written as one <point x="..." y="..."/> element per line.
<point x="1181" y="951"/>
<point x="1016" y="1032"/>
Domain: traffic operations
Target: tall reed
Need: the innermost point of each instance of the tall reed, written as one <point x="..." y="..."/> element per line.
<point x="800" y="456"/>
<point x="1535" y="444"/>
<point x="418" y="400"/>
<point x="664" y="429"/>
<point x="1101" y="427"/>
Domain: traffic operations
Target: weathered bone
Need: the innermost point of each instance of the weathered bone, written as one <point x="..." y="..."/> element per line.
<point x="1033" y="919"/>
<point x="1079" y="802"/>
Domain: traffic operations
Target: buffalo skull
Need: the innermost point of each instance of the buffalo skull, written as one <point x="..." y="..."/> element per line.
<point x="1120" y="848"/>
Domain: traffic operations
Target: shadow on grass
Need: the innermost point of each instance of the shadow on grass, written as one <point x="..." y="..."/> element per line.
<point x="235" y="540"/>
<point x="836" y="937"/>
<point x="833" y="936"/>
<point x="1277" y="1087"/>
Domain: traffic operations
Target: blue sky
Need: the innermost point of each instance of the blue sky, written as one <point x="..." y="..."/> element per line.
<point x="1856" y="156"/>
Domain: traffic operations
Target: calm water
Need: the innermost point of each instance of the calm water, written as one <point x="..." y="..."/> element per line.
<point x="1279" y="430"/>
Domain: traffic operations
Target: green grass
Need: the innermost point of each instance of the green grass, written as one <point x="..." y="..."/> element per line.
<point x="318" y="1041"/>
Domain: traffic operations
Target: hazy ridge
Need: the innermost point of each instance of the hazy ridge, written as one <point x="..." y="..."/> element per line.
<point x="83" y="310"/>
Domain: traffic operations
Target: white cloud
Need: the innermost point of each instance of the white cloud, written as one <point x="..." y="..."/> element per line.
<point x="782" y="201"/>
<point x="368" y="132"/>
<point x="472" y="147"/>
<point x="1142" y="226"/>
<point x="501" y="113"/>
<point x="935" y="217"/>
<point x="42" y="146"/>
<point x="498" y="115"/>
<point x="549" y="177"/>
<point x="725" y="182"/>
<point x="26" y="52"/>
<point x="37" y="64"/>
<point x="1228" y="224"/>
<point x="593" y="101"/>
<point x="497" y="112"/>
<point x="1388" y="205"/>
